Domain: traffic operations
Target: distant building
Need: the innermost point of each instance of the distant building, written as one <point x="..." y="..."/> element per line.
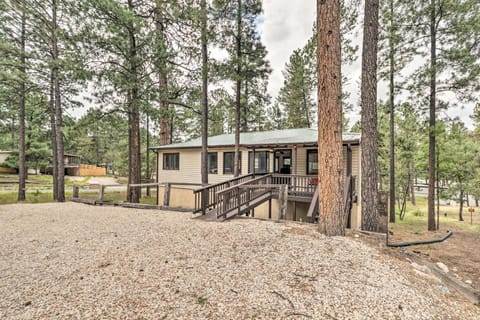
<point x="74" y="167"/>
<point x="3" y="156"/>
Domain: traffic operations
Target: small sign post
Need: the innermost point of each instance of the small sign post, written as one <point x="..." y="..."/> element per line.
<point x="471" y="210"/>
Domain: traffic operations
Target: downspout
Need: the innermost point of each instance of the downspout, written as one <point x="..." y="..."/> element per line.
<point x="349" y="175"/>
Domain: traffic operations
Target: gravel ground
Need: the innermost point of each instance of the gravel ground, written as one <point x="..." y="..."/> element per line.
<point x="72" y="261"/>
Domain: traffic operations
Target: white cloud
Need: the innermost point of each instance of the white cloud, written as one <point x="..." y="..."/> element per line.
<point x="286" y="26"/>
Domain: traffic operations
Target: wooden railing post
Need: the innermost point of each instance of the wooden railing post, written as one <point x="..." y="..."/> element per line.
<point x="166" y="194"/>
<point x="204" y="201"/>
<point x="75" y="192"/>
<point x="239" y="201"/>
<point x="101" y="192"/>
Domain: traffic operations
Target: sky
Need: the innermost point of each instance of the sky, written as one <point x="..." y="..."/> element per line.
<point x="287" y="25"/>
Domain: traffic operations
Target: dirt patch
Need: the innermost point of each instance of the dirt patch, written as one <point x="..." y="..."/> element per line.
<point x="460" y="253"/>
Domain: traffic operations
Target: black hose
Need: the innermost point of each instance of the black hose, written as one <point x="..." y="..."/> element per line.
<point x="412" y="243"/>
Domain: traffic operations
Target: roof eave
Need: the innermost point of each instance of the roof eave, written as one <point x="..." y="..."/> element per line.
<point x="262" y="145"/>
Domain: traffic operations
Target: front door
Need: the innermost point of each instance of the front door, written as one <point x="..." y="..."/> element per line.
<point x="283" y="161"/>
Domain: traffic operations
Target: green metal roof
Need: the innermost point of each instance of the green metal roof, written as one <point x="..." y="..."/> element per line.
<point x="261" y="138"/>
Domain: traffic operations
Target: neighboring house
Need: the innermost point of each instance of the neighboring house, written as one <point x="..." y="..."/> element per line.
<point x="288" y="152"/>
<point x="74" y="167"/>
<point x="3" y="156"/>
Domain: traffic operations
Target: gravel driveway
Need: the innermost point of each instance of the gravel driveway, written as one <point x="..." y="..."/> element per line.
<point x="72" y="261"/>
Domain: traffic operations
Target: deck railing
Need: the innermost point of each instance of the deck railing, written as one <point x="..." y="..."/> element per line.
<point x="206" y="197"/>
<point x="239" y="193"/>
<point x="233" y="198"/>
<point x="297" y="184"/>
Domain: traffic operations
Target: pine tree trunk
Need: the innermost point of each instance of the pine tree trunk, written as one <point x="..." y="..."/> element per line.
<point x="244" y="114"/>
<point x="476" y="203"/>
<point x="369" y="142"/>
<point x="432" y="120"/>
<point x="58" y="108"/>
<point x="460" y="212"/>
<point x="165" y="123"/>
<point x="411" y="174"/>
<point x="134" y="169"/>
<point x="330" y="149"/>
<point x="238" y="91"/>
<point x="53" y="136"/>
<point x="12" y="132"/>
<point x="22" y="165"/>
<point x="147" y="169"/>
<point x="204" y="162"/>
<point x="305" y="106"/>
<point x="392" y="115"/>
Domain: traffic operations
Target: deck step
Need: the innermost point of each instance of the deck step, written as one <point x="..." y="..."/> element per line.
<point x="210" y="215"/>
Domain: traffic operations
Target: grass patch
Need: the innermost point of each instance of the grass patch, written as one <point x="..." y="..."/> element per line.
<point x="32" y="197"/>
<point x="416" y="218"/>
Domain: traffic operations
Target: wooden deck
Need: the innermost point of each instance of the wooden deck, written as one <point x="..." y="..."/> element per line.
<point x="240" y="196"/>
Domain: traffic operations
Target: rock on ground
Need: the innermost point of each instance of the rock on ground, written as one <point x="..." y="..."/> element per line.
<point x="72" y="261"/>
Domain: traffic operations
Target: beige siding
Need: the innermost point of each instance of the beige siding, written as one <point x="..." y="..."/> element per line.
<point x="190" y="170"/>
<point x="4" y="155"/>
<point x="190" y="173"/>
<point x="180" y="197"/>
<point x="190" y="164"/>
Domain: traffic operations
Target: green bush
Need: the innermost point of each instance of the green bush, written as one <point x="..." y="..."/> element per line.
<point x="418" y="213"/>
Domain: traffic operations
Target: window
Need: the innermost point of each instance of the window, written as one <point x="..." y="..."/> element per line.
<point x="312" y="162"/>
<point x="212" y="163"/>
<point x="228" y="162"/>
<point x="171" y="161"/>
<point x="261" y="162"/>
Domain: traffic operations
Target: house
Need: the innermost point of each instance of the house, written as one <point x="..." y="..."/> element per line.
<point x="3" y="156"/>
<point x="287" y="155"/>
<point x="74" y="167"/>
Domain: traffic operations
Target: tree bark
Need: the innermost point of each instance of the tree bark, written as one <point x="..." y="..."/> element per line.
<point x="53" y="136"/>
<point x="58" y="108"/>
<point x="460" y="212"/>
<point x="204" y="40"/>
<point x="165" y="119"/>
<point x="392" y="114"/>
<point x="22" y="165"/>
<point x="134" y="170"/>
<point x="411" y="175"/>
<point x="238" y="91"/>
<point x="369" y="142"/>
<point x="432" y="119"/>
<point x="244" y="113"/>
<point x="147" y="169"/>
<point x="330" y="149"/>
<point x="305" y="106"/>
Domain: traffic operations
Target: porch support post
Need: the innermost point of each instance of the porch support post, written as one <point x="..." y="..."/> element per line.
<point x="294" y="211"/>
<point x="294" y="160"/>
<point x="253" y="163"/>
<point x="283" y="199"/>
<point x="270" y="208"/>
<point x="349" y="160"/>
